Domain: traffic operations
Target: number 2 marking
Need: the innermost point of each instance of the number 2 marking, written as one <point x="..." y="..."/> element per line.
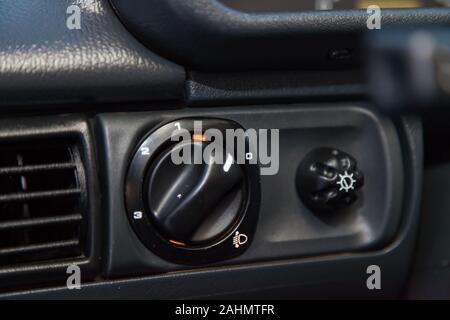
<point x="145" y="151"/>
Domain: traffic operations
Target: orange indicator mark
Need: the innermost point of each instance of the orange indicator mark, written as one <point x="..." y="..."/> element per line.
<point x="177" y="243"/>
<point x="199" y="137"/>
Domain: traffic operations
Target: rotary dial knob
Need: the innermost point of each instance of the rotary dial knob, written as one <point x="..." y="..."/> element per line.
<point x="192" y="212"/>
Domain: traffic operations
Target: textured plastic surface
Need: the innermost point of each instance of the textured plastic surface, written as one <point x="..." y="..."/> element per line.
<point x="207" y="35"/>
<point x="214" y="89"/>
<point x="42" y="61"/>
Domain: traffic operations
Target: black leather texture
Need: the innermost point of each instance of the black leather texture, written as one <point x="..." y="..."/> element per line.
<point x="206" y="35"/>
<point x="42" y="61"/>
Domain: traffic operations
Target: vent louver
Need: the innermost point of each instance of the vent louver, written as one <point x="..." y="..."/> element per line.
<point x="42" y="202"/>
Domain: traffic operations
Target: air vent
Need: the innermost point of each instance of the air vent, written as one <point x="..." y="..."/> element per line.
<point x="42" y="202"/>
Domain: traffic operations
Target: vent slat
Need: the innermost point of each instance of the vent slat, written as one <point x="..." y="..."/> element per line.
<point x="39" y="247"/>
<point x="26" y="196"/>
<point x="36" y="168"/>
<point x="43" y="203"/>
<point x="40" y="222"/>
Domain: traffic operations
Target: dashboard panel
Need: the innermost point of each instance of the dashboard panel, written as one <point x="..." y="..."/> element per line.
<point x="353" y="119"/>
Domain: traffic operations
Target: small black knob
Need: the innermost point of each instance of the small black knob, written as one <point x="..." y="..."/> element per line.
<point x="327" y="180"/>
<point x="192" y="203"/>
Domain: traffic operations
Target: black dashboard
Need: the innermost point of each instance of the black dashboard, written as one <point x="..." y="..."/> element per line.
<point x="353" y="180"/>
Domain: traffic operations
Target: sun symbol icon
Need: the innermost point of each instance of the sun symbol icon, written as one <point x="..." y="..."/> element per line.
<point x="346" y="182"/>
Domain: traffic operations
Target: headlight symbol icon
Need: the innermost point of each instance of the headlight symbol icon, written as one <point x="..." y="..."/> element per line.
<point x="239" y="239"/>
